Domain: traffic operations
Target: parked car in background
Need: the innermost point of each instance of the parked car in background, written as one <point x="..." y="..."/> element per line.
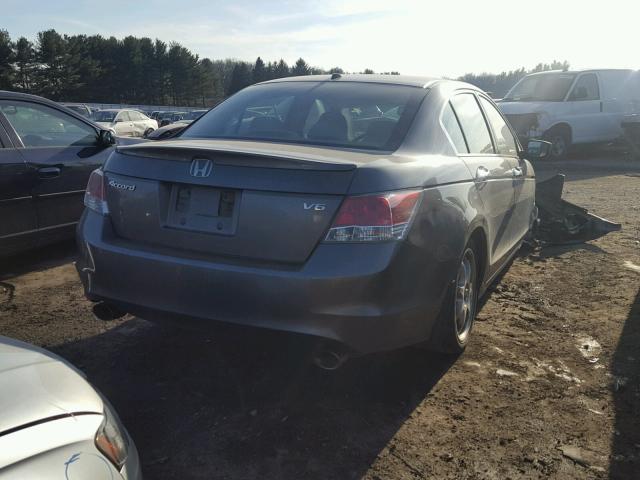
<point x="168" y="118"/>
<point x="194" y="114"/>
<point x="572" y="107"/>
<point x="368" y="211"/>
<point x="47" y="153"/>
<point x="54" y="424"/>
<point x="126" y="123"/>
<point x="80" y="108"/>
<point x="172" y="129"/>
<point x="168" y="131"/>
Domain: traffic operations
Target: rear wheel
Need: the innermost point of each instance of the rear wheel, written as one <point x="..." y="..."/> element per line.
<point x="453" y="328"/>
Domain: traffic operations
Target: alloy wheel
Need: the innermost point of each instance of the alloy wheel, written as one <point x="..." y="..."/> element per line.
<point x="465" y="295"/>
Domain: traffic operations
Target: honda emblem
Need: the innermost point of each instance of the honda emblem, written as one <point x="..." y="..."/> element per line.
<point x="201" y="167"/>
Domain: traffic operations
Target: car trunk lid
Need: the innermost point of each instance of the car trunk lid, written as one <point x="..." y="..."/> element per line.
<point x="239" y="199"/>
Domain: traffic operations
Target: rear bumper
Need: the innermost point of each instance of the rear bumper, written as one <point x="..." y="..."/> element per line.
<point x="368" y="297"/>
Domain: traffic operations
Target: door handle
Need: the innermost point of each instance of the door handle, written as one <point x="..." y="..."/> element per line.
<point x="48" y="172"/>
<point x="516" y="171"/>
<point x="482" y="173"/>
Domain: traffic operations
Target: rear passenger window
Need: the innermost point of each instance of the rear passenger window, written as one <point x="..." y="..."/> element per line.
<point x="452" y="127"/>
<point x="472" y="122"/>
<point x="42" y="126"/>
<point x="505" y="143"/>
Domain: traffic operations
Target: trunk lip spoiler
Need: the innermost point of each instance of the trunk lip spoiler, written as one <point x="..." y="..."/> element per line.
<point x="236" y="157"/>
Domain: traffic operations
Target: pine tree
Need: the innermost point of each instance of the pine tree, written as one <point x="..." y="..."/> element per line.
<point x="24" y="64"/>
<point x="300" y="68"/>
<point x="57" y="73"/>
<point x="259" y="73"/>
<point x="240" y="77"/>
<point x="281" y="69"/>
<point x="6" y="60"/>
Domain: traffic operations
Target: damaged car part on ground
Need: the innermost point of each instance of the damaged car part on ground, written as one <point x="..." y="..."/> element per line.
<point x="562" y="222"/>
<point x="370" y="212"/>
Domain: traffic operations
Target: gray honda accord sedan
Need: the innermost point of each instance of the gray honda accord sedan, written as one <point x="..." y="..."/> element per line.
<point x="369" y="211"/>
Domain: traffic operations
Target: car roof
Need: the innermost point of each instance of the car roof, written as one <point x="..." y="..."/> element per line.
<point x="7" y="95"/>
<point x="626" y="70"/>
<point x="407" y="80"/>
<point x="25" y="96"/>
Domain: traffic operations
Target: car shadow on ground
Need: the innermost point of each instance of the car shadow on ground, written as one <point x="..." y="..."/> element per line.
<point x="246" y="403"/>
<point x="37" y="259"/>
<point x="555" y="251"/>
<point x="625" y="368"/>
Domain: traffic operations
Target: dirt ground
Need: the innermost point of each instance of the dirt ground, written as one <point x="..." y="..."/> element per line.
<point x="549" y="387"/>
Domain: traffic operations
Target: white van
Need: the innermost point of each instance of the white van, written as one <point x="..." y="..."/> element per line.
<point x="572" y="107"/>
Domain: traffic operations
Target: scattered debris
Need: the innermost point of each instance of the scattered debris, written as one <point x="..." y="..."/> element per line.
<point x="575" y="454"/>
<point x="589" y="348"/>
<point x="473" y="364"/>
<point x="447" y="457"/>
<point x="631" y="266"/>
<point x="506" y="373"/>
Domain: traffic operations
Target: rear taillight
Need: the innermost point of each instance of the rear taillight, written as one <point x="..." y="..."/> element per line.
<point x="94" y="198"/>
<point x="372" y="218"/>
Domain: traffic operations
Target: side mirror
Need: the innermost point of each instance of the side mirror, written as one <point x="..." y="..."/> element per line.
<point x="106" y="138"/>
<point x="537" y="149"/>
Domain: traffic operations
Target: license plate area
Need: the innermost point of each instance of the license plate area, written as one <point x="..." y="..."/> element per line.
<point x="203" y="209"/>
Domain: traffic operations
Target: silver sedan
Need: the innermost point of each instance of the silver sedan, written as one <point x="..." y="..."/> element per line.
<point x="54" y="424"/>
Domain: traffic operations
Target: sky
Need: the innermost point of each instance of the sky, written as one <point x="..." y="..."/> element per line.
<point x="445" y="38"/>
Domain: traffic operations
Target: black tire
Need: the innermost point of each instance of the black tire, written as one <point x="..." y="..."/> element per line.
<point x="147" y="132"/>
<point x="450" y="334"/>
<point x="560" y="140"/>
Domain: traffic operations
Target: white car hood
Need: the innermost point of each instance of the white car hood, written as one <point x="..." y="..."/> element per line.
<point x="514" y="108"/>
<point x="36" y="385"/>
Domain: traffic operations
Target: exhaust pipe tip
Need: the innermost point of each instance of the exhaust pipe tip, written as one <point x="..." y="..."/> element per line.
<point x="330" y="358"/>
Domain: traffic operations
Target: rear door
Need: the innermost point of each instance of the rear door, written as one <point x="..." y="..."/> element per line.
<point x="585" y="110"/>
<point x="17" y="211"/>
<point x="492" y="172"/>
<point x="59" y="151"/>
<point x="137" y="119"/>
<point x="523" y="180"/>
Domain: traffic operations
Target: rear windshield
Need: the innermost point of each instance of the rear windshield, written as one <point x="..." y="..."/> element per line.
<point x="547" y="87"/>
<point x="342" y="114"/>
